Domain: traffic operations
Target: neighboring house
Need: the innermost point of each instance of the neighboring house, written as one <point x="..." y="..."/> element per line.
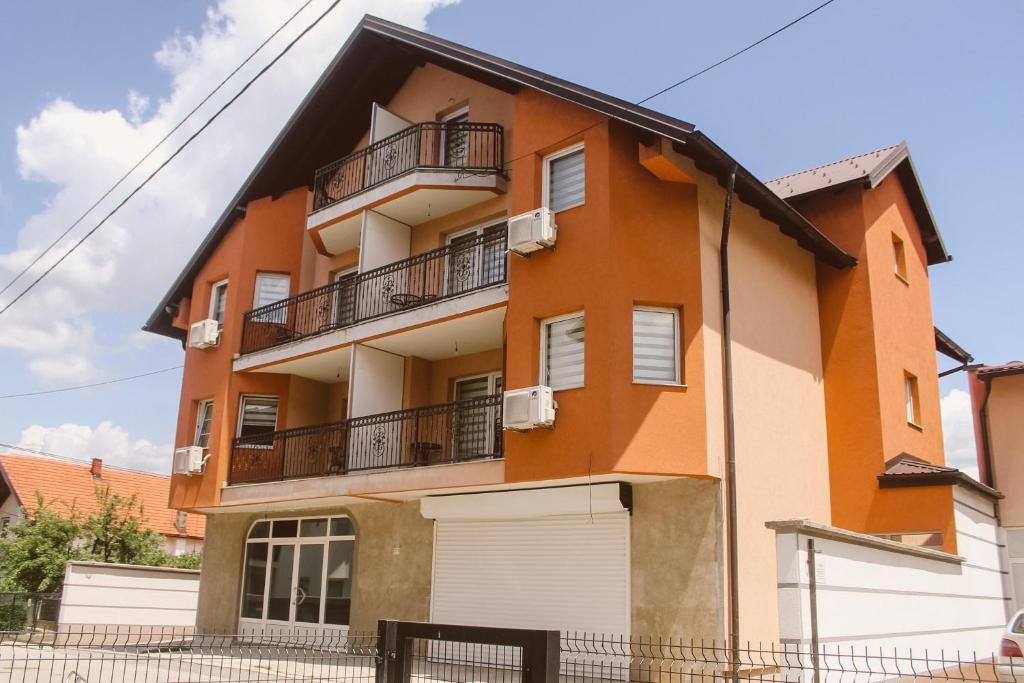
<point x="64" y="484"/>
<point x="997" y="396"/>
<point x="353" y="319"/>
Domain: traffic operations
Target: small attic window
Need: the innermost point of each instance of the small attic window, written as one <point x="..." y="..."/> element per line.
<point x="899" y="257"/>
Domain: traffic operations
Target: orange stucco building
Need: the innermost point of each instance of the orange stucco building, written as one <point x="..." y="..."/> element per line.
<point x="361" y="318"/>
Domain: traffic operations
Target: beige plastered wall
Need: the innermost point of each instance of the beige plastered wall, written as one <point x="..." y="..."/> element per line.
<point x="1006" y="435"/>
<point x="394" y="555"/>
<point x="779" y="407"/>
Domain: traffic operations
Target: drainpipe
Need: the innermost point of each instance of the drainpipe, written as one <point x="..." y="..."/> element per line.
<point x="986" y="447"/>
<point x="730" y="429"/>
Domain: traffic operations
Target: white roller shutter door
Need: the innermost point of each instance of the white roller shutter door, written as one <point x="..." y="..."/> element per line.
<point x="566" y="572"/>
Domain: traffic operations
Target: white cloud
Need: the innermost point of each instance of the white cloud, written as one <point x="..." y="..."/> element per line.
<point x="958" y="432"/>
<point x="106" y="441"/>
<point x="64" y="369"/>
<point x="128" y="264"/>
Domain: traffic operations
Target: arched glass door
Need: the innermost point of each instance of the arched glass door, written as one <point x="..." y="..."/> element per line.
<point x="298" y="572"/>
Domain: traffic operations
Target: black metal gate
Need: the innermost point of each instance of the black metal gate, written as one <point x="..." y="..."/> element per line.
<point x="417" y="651"/>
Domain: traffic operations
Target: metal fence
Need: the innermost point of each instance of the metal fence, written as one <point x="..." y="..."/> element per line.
<point x="459" y="146"/>
<point x="453" y="270"/>
<point x="431" y="435"/>
<point x="28" y="610"/>
<point x="400" y="652"/>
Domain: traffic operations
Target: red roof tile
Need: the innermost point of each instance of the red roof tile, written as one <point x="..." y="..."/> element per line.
<point x="1014" y="367"/>
<point x="69" y="483"/>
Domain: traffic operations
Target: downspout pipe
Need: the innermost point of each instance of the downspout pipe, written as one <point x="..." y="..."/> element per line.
<point x="986" y="446"/>
<point x="730" y="426"/>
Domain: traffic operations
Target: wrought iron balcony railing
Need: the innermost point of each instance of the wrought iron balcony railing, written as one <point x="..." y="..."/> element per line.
<point x="463" y="146"/>
<point x="458" y="268"/>
<point x="447" y="433"/>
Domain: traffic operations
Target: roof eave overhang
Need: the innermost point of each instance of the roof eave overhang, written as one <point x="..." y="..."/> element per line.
<point x="895" y="481"/>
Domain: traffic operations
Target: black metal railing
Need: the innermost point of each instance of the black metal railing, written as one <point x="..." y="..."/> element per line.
<point x="455" y="269"/>
<point x="470" y="147"/>
<point x="447" y="433"/>
<point x="28" y="610"/>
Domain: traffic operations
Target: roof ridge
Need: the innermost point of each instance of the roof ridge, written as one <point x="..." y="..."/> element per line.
<point x="834" y="163"/>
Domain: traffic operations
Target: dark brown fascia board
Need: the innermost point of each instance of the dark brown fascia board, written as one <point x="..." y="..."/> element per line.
<point x="896" y="481"/>
<point x="994" y="374"/>
<point x="949" y="348"/>
<point x="772" y="206"/>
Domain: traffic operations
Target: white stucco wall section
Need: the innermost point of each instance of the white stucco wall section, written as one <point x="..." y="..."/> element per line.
<point x="97" y="594"/>
<point x="880" y="594"/>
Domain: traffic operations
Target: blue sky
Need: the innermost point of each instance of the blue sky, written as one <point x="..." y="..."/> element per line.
<point x="858" y="75"/>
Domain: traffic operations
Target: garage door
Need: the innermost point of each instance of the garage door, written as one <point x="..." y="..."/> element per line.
<point x="566" y="572"/>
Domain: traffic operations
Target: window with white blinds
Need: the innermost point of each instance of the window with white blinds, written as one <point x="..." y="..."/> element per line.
<point x="564" y="179"/>
<point x="562" y="352"/>
<point x="204" y="421"/>
<point x="271" y="288"/>
<point x="218" y="300"/>
<point x="656" y="345"/>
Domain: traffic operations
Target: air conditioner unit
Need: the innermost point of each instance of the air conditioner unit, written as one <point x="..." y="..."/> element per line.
<point x="528" y="408"/>
<point x="204" y="334"/>
<point x="531" y="231"/>
<point x="189" y="460"/>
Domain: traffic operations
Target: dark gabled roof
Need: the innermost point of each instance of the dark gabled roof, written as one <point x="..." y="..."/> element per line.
<point x="907" y="470"/>
<point x="945" y="345"/>
<point x="870" y="169"/>
<point x="372" y="65"/>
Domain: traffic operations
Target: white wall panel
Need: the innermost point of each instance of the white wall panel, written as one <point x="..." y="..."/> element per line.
<point x="98" y="594"/>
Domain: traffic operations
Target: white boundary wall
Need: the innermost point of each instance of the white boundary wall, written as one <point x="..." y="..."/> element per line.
<point x="98" y="594"/>
<point x="873" y="593"/>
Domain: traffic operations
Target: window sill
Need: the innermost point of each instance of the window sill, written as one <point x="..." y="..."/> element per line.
<point x="914" y="425"/>
<point x="902" y="279"/>
<point x="561" y="389"/>
<point x="677" y="385"/>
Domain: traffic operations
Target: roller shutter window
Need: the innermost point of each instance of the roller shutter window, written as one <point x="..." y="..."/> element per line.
<point x="565" y="184"/>
<point x="656" y="345"/>
<point x="562" y="352"/>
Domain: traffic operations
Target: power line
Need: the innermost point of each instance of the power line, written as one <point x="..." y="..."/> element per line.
<point x="169" y="159"/>
<point x="94" y="384"/>
<point x="155" y="147"/>
<point x="684" y="80"/>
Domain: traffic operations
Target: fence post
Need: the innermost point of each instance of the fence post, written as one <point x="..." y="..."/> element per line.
<point x="386" y="631"/>
<point x="540" y="657"/>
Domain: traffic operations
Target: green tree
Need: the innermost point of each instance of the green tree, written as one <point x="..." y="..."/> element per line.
<point x="116" y="532"/>
<point x="33" y="552"/>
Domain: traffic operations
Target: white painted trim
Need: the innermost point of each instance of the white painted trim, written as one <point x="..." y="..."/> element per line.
<point x="213" y="299"/>
<point x="677" y="355"/>
<point x="525" y="503"/>
<point x="200" y="405"/>
<point x="544" y="347"/>
<point x="241" y="410"/>
<point x="545" y="179"/>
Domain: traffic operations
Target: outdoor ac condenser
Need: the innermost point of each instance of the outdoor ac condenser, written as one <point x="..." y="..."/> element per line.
<point x="189" y="460"/>
<point x="528" y="408"/>
<point x="204" y="334"/>
<point x="531" y="231"/>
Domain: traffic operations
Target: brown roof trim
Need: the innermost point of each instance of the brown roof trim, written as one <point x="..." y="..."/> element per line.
<point x="987" y="372"/>
<point x="416" y="45"/>
<point x="951" y="477"/>
<point x="945" y="345"/>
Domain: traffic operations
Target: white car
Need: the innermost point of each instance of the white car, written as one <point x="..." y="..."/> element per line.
<point x="1010" y="662"/>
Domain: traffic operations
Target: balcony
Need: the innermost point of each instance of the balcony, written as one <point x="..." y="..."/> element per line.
<point x="427" y="278"/>
<point x="456" y="432"/>
<point x="423" y="172"/>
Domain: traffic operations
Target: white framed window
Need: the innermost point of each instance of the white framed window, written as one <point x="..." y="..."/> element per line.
<point x="344" y="309"/>
<point x="561" y="351"/>
<point x="564" y="179"/>
<point x="656" y="345"/>
<point x="456" y="139"/>
<point x="912" y="399"/>
<point x="218" y="300"/>
<point x="257" y="420"/>
<point x="899" y="257"/>
<point x="478" y="426"/>
<point x="270" y="289"/>
<point x="477" y="257"/>
<point x="204" y="420"/>
<point x="298" y="572"/>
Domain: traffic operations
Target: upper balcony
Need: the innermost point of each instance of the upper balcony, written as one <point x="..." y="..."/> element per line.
<point x="458" y="269"/>
<point x="425" y="171"/>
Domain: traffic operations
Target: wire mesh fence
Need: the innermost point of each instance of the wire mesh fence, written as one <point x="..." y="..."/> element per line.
<point x="430" y="652"/>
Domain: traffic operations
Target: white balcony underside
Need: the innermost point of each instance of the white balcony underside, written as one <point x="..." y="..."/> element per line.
<point x="457" y="326"/>
<point x="413" y="198"/>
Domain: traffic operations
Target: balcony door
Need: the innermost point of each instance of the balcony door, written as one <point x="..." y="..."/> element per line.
<point x="456" y="140"/>
<point x="475" y="432"/>
<point x="344" y="305"/>
<point x="476" y="258"/>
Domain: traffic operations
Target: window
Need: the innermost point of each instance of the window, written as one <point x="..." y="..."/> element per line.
<point x="256" y="418"/>
<point x="912" y="398"/>
<point x="344" y="309"/>
<point x="455" y="137"/>
<point x="561" y="352"/>
<point x="564" y="179"/>
<point x="218" y="301"/>
<point x="656" y="345"/>
<point x="299" y="571"/>
<point x="899" y="258"/>
<point x="477" y="427"/>
<point x="476" y="258"/>
<point x="270" y="289"/>
<point x="204" y="418"/>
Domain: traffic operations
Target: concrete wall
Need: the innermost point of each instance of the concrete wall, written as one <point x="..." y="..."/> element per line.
<point x="1006" y="434"/>
<point x="394" y="550"/>
<point x="98" y="594"/>
<point x="676" y="550"/>
<point x="879" y="594"/>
